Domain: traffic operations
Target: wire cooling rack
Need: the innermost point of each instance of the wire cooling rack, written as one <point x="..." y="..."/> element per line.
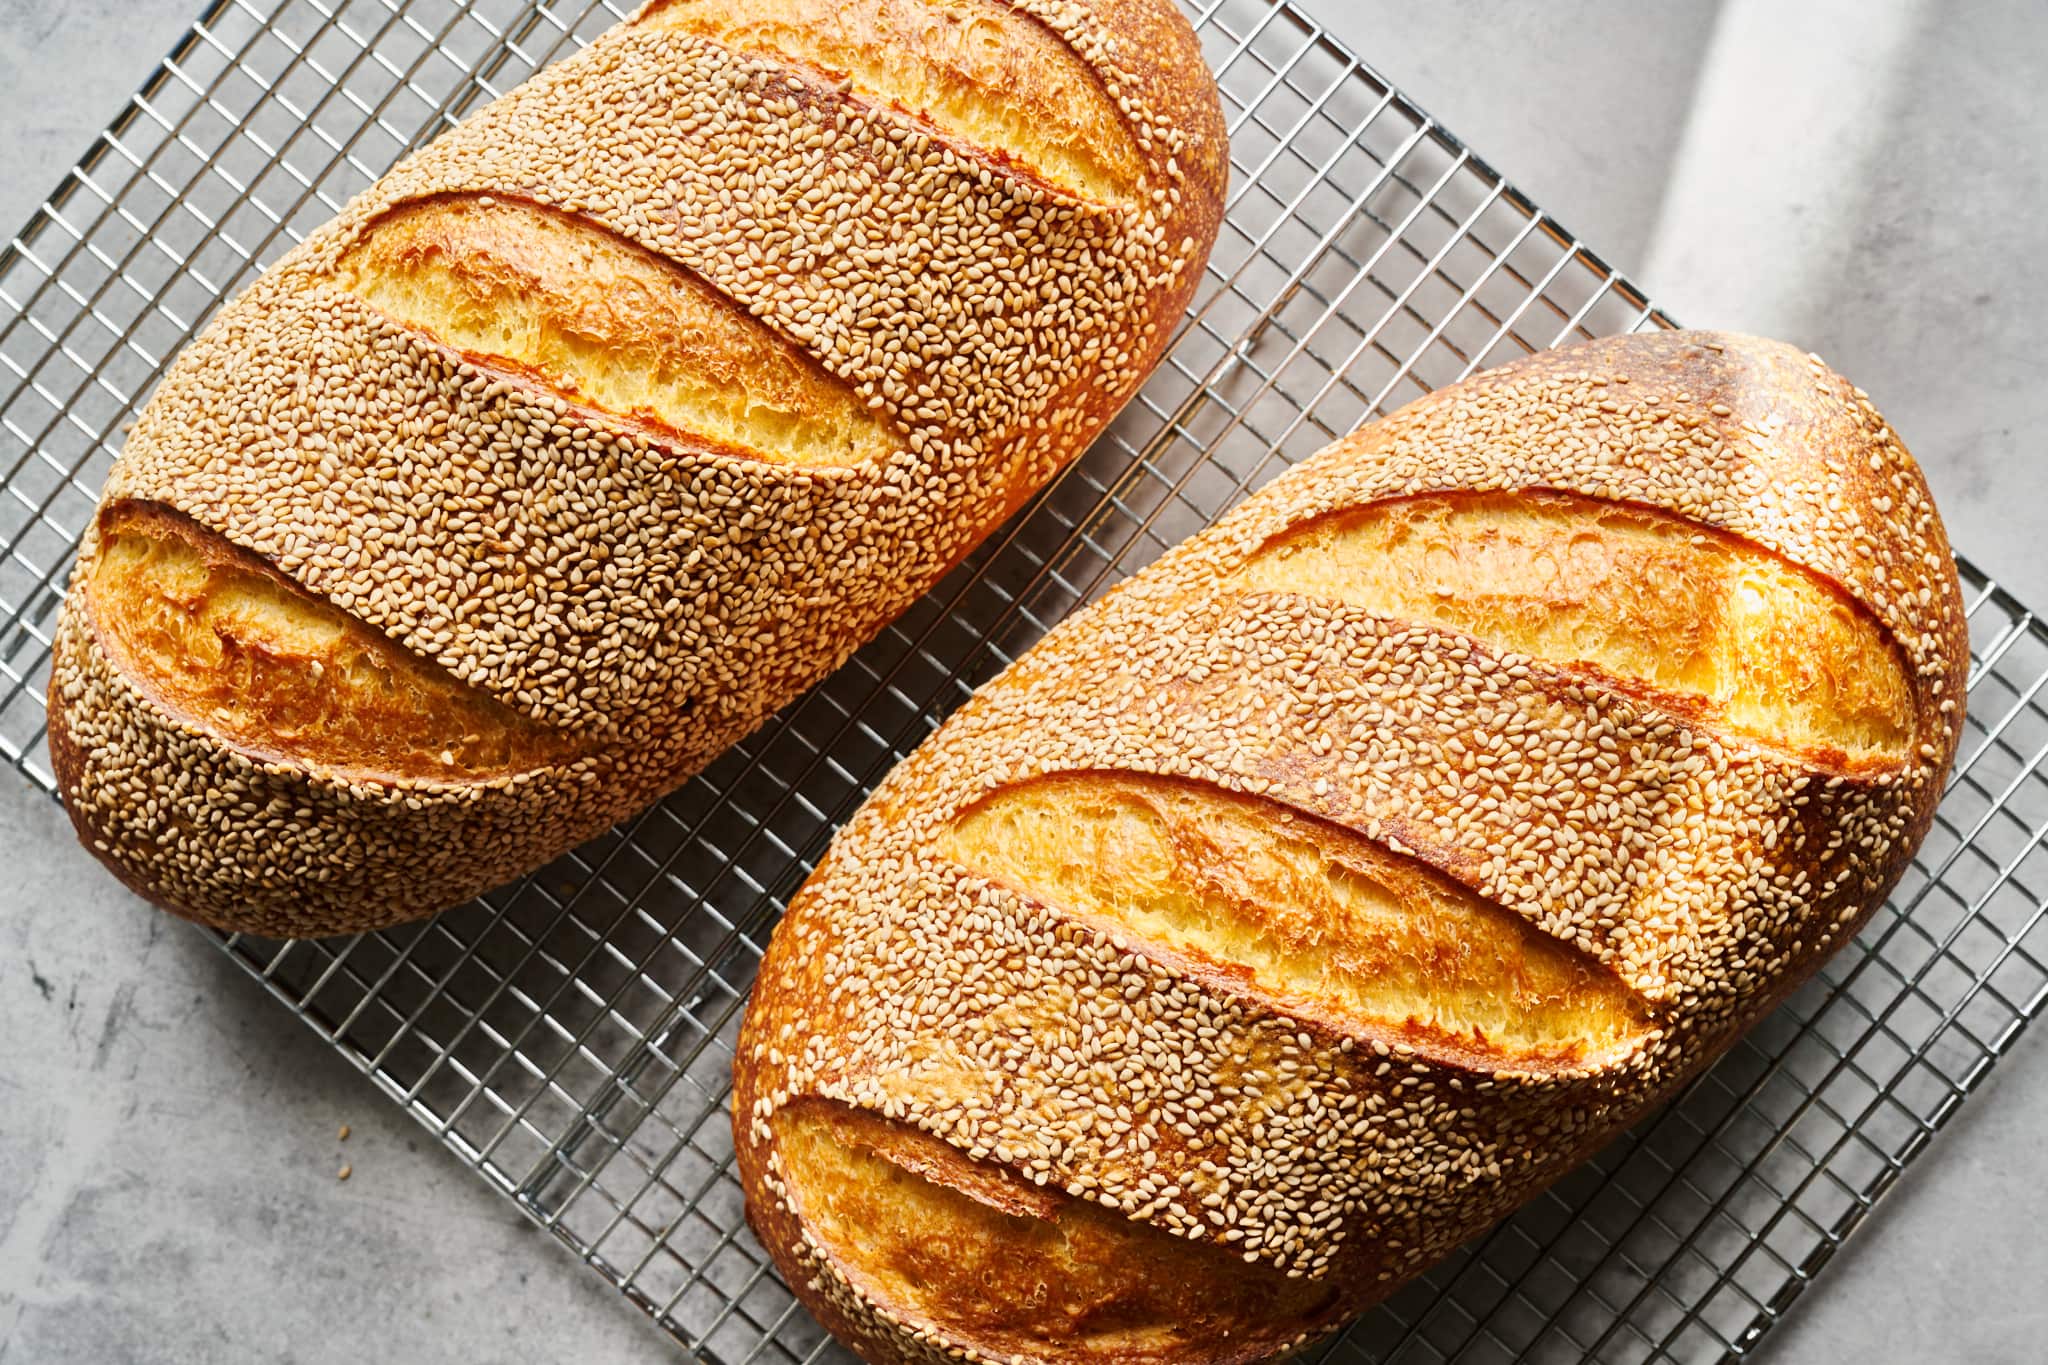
<point x="570" y="1036"/>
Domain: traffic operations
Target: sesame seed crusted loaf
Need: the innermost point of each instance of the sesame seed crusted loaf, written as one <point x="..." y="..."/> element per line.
<point x="1336" y="883"/>
<point x="603" y="426"/>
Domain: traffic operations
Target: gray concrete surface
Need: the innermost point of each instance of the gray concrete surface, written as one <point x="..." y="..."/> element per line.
<point x="1865" y="179"/>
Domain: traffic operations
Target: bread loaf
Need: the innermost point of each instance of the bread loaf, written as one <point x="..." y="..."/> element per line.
<point x="1331" y="887"/>
<point x="605" y="425"/>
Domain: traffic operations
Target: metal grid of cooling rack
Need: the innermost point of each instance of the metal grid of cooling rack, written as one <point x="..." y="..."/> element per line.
<point x="569" y="1036"/>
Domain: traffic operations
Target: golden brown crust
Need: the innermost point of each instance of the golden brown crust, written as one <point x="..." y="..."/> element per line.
<point x="578" y="521"/>
<point x="1298" y="914"/>
<point x="226" y="644"/>
<point x="1081" y="1025"/>
<point x="1024" y="1272"/>
<point x="625" y="335"/>
<point x="1703" y="624"/>
<point x="219" y="826"/>
<point x="987" y="76"/>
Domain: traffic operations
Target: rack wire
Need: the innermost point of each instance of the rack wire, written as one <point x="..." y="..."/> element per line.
<point x="570" y="1037"/>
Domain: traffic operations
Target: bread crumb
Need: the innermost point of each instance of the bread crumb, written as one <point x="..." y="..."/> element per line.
<point x="342" y="1136"/>
<point x="343" y="1173"/>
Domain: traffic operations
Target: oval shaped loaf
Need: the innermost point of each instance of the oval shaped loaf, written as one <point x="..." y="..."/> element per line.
<point x="1328" y="889"/>
<point x="605" y="425"/>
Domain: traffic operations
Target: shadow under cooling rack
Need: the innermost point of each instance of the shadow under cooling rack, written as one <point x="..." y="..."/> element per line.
<point x="571" y="1036"/>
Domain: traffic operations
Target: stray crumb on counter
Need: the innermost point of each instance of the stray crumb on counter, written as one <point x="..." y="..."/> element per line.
<point x="343" y="1173"/>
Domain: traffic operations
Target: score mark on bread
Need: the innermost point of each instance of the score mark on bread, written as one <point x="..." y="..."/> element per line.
<point x="1698" y="619"/>
<point x="1010" y="1264"/>
<point x="609" y="325"/>
<point x="222" y="638"/>
<point x="978" y="71"/>
<point x="1306" y="913"/>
